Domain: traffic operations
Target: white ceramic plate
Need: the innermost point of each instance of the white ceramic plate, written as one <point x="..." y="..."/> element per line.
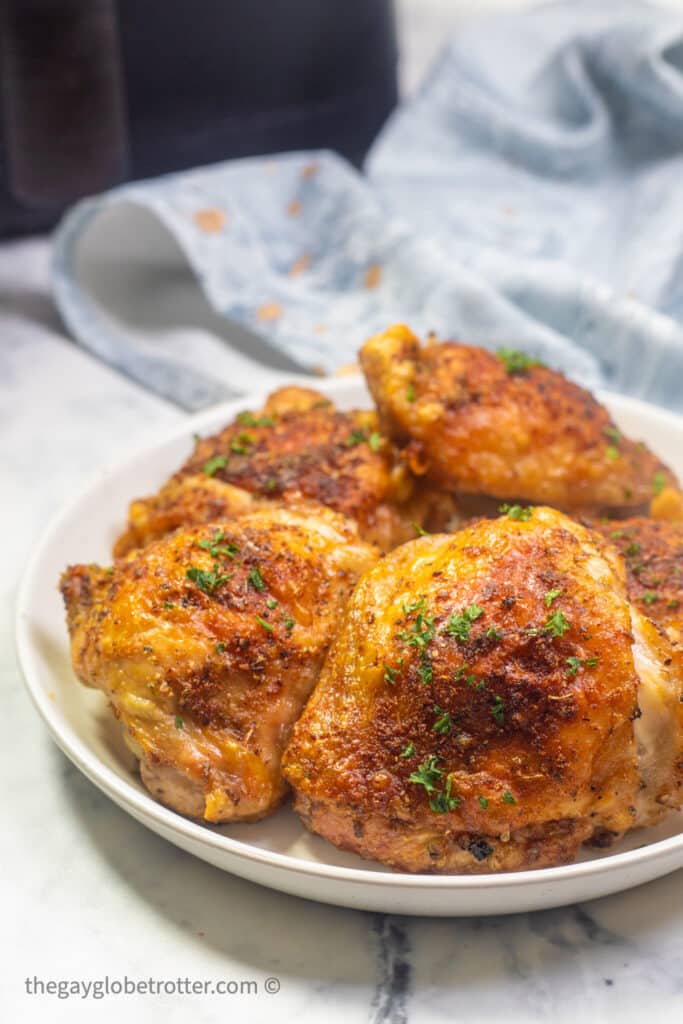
<point x="278" y="852"/>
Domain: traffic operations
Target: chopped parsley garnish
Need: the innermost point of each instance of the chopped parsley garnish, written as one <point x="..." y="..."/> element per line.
<point x="444" y="722"/>
<point x="508" y="798"/>
<point x="255" y="579"/>
<point x="616" y="534"/>
<point x="483" y="802"/>
<point x="247" y="419"/>
<point x="206" y="581"/>
<point x="425" y="670"/>
<point x="516" y="361"/>
<point x="658" y="482"/>
<point x="375" y="440"/>
<point x="427" y="774"/>
<point x="673" y="603"/>
<point x="443" y="802"/>
<point x="498" y="710"/>
<point x="178" y="722"/>
<point x="390" y="675"/>
<point x="612" y="453"/>
<point x="410" y="393"/>
<point x="575" y="664"/>
<point x="196" y="438"/>
<point x="459" y="625"/>
<point x="408" y="750"/>
<point x="168" y="605"/>
<point x="270" y="485"/>
<point x="550" y="596"/>
<point x="613" y="435"/>
<point x="271" y="603"/>
<point x="287" y="621"/>
<point x="241" y="444"/>
<point x="649" y="597"/>
<point x="262" y="622"/>
<point x="470" y="678"/>
<point x="214" y="464"/>
<point x="422" y="630"/>
<point x="522" y="513"/>
<point x="632" y="550"/>
<point x="556" y="625"/>
<point x="493" y="634"/>
<point x="420" y="531"/>
<point x="220" y="647"/>
<point x="355" y="437"/>
<point x="215" y="548"/>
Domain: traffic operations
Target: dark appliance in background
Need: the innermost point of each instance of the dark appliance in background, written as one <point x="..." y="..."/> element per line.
<point x="96" y="92"/>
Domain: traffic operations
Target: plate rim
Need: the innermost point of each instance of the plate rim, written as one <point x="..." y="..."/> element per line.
<point x="125" y="795"/>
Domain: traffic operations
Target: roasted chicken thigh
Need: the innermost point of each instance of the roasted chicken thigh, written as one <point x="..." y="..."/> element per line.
<point x="506" y="427"/>
<point x="297" y="447"/>
<point x="207" y="644"/>
<point x="491" y="702"/>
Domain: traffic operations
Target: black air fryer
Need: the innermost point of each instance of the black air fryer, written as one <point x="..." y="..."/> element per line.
<point x="96" y="92"/>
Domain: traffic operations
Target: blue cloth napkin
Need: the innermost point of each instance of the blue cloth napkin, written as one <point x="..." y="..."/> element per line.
<point x="530" y="195"/>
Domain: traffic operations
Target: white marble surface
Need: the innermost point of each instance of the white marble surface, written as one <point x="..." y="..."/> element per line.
<point x="87" y="892"/>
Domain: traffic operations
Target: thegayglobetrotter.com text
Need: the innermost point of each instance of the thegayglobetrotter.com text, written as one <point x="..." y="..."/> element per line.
<point x="103" y="988"/>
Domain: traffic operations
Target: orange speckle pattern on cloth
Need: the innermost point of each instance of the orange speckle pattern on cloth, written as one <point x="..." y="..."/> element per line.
<point x="211" y="220"/>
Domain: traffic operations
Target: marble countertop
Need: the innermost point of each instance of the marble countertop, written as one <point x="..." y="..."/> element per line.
<point x="89" y="893"/>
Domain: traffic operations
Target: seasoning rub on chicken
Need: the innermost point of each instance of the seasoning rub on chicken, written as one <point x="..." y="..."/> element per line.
<point x="207" y="644"/>
<point x="491" y="701"/>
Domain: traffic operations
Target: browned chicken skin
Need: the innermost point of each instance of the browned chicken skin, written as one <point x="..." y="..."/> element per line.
<point x="653" y="553"/>
<point x="506" y="427"/>
<point x="468" y="718"/>
<point x="208" y="642"/>
<point x="297" y="447"/>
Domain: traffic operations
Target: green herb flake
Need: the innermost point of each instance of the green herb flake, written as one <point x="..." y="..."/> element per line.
<point x="522" y="513"/>
<point x="483" y="802"/>
<point x="460" y="625"/>
<point x="649" y="597"/>
<point x="673" y="604"/>
<point x="443" y="723"/>
<point x="390" y="674"/>
<point x="613" y="435"/>
<point x="612" y="453"/>
<point x="632" y="549"/>
<point x="408" y="750"/>
<point x="494" y="634"/>
<point x="498" y="710"/>
<point x="255" y="579"/>
<point x="214" y="464"/>
<point x="178" y="722"/>
<point x="508" y="798"/>
<point x="658" y="482"/>
<point x="517" y="362"/>
<point x="410" y="393"/>
<point x="262" y="622"/>
<point x="375" y="441"/>
<point x="271" y="603"/>
<point x="216" y="548"/>
<point x="616" y="534"/>
<point x="240" y="445"/>
<point x="206" y="581"/>
<point x="443" y="802"/>
<point x="428" y="774"/>
<point x="355" y="437"/>
<point x="288" y="622"/>
<point x="574" y="664"/>
<point x="168" y="605"/>
<point x="556" y="625"/>
<point x="220" y="647"/>
<point x="551" y="596"/>
<point x="247" y="419"/>
<point x="425" y="671"/>
<point x="420" y="531"/>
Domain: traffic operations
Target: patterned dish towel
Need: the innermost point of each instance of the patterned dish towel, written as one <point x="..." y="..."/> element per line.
<point x="530" y="195"/>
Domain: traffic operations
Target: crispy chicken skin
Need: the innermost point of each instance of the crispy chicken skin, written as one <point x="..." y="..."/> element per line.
<point x="479" y="424"/>
<point x="468" y="719"/>
<point x="653" y="553"/>
<point x="299" y="446"/>
<point x="207" y="644"/>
